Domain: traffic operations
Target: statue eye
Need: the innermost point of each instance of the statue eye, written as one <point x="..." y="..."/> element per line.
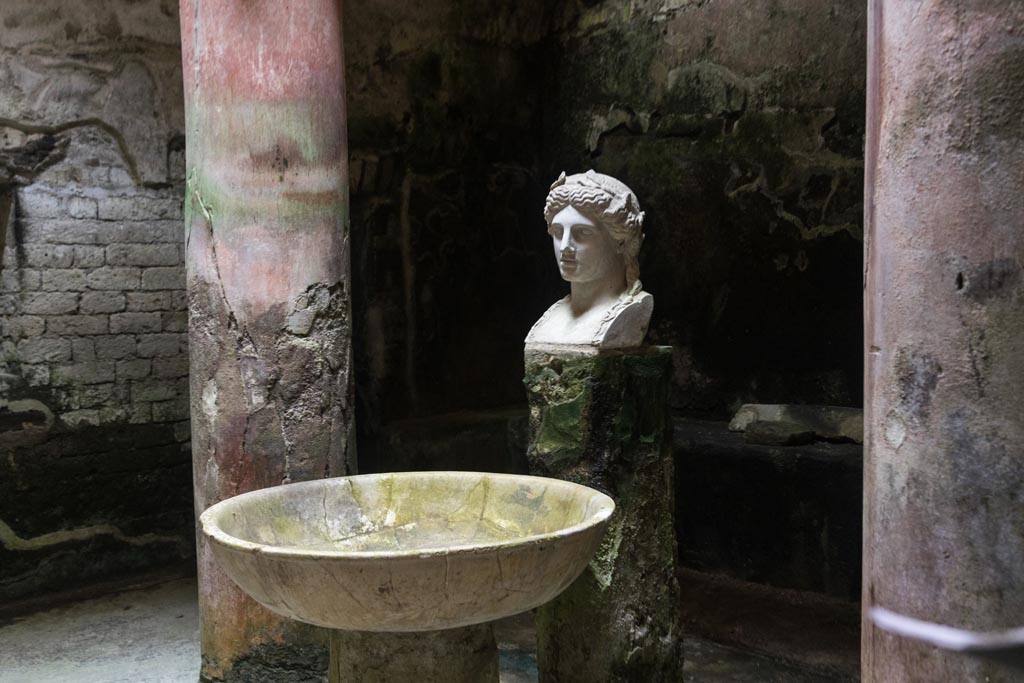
<point x="584" y="232"/>
<point x="555" y="231"/>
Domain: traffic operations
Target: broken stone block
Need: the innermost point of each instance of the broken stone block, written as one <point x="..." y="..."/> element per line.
<point x="834" y="423"/>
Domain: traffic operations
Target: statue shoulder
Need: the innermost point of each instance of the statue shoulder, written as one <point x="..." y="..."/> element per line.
<point x="538" y="331"/>
<point x="627" y="323"/>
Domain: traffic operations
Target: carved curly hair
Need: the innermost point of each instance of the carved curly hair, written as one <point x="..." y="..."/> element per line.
<point x="611" y="205"/>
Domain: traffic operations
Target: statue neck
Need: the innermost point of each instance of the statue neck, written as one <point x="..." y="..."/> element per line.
<point x="585" y="296"/>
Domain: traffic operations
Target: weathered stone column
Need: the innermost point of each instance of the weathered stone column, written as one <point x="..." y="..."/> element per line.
<point x="268" y="285"/>
<point x="602" y="419"/>
<point x="944" y="309"/>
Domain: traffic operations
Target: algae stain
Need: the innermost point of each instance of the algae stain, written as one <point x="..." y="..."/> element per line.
<point x="560" y="425"/>
<point x="603" y="565"/>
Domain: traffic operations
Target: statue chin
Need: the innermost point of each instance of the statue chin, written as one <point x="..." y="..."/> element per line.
<point x="619" y="325"/>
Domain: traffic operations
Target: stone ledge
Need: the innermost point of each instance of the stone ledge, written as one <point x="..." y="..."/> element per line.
<point x="788" y="516"/>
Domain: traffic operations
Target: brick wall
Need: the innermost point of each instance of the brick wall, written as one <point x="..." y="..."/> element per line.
<point x="95" y="474"/>
<point x="94" y="304"/>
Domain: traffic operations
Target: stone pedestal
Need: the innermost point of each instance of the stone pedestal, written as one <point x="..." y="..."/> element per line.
<point x="457" y="655"/>
<point x="602" y="419"/>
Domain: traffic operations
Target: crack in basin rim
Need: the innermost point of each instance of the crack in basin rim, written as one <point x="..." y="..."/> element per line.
<point x="598" y="509"/>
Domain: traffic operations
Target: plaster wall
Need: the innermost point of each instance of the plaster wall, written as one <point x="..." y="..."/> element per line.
<point x="739" y="124"/>
<point x="94" y="478"/>
<point x="450" y="258"/>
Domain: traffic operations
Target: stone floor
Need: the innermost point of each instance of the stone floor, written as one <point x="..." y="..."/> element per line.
<point x="151" y="635"/>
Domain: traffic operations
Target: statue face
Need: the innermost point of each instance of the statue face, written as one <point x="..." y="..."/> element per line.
<point x="584" y="251"/>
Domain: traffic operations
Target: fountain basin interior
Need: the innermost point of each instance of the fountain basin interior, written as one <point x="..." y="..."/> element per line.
<point x="409" y="551"/>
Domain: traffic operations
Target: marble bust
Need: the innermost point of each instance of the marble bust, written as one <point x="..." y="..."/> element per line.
<point x="595" y="225"/>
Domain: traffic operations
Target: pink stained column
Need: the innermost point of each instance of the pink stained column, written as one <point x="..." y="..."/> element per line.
<point x="268" y="284"/>
<point x="944" y="316"/>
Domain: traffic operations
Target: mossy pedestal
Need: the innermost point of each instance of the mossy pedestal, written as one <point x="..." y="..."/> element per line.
<point x="602" y="419"/>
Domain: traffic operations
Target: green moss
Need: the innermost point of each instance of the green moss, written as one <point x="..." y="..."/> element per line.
<point x="705" y="89"/>
<point x="285" y="526"/>
<point x="558" y="436"/>
<point x="616" y="63"/>
<point x="225" y="207"/>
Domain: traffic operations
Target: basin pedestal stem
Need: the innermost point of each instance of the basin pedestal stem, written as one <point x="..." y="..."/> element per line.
<point x="458" y="655"/>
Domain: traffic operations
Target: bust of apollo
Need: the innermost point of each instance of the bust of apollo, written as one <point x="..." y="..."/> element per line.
<point x="595" y="225"/>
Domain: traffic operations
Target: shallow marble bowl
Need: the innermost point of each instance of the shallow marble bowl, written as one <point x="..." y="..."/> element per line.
<point x="409" y="551"/>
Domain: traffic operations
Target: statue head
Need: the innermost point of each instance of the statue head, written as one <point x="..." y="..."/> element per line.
<point x="608" y="205"/>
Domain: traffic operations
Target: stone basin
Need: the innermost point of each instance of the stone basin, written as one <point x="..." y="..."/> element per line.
<point x="413" y="551"/>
